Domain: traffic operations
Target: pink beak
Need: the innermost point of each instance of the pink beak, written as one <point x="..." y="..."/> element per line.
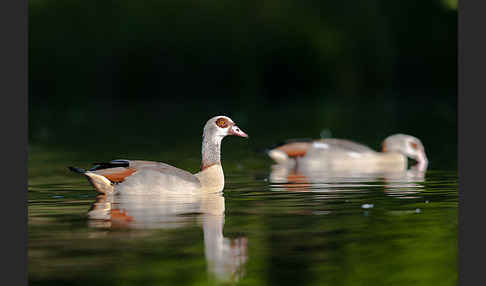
<point x="235" y="130"/>
<point x="422" y="162"/>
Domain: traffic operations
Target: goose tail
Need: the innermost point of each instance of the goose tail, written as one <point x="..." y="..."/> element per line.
<point x="99" y="182"/>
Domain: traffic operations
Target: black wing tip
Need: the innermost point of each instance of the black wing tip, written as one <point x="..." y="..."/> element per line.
<point x="102" y="165"/>
<point x="111" y="164"/>
<point x="77" y="170"/>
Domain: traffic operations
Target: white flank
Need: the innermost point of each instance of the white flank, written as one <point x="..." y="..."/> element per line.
<point x="354" y="154"/>
<point x="320" y="145"/>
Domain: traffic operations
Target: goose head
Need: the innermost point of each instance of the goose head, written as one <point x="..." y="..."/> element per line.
<point x="215" y="130"/>
<point x="221" y="126"/>
<point x="409" y="146"/>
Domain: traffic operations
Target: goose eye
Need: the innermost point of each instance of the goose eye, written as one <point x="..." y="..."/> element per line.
<point x="221" y="122"/>
<point x="414" y="145"/>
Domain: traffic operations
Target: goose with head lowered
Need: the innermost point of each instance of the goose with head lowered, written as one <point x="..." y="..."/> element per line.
<point x="139" y="177"/>
<point x="347" y="156"/>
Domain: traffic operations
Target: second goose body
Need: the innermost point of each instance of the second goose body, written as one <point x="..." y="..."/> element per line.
<point x="344" y="155"/>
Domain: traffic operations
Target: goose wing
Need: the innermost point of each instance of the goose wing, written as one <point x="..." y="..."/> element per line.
<point x="297" y="148"/>
<point x="340" y="145"/>
<point x="118" y="171"/>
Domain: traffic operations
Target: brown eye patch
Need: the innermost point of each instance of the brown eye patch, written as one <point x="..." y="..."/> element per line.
<point x="414" y="145"/>
<point x="222" y="122"/>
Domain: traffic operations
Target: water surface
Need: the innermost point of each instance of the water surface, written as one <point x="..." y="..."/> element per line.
<point x="259" y="231"/>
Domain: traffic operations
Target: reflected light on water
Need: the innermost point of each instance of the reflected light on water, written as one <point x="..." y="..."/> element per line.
<point x="225" y="257"/>
<point x="395" y="183"/>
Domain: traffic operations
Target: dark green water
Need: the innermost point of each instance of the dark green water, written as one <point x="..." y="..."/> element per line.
<point x="333" y="231"/>
<point x="325" y="233"/>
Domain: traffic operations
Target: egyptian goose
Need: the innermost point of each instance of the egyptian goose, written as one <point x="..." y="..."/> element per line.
<point x="141" y="177"/>
<point x="344" y="155"/>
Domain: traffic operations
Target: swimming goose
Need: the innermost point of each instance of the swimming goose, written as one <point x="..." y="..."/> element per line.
<point x="344" y="155"/>
<point x="142" y="177"/>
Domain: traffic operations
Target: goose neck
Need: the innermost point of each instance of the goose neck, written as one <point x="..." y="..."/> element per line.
<point x="211" y="151"/>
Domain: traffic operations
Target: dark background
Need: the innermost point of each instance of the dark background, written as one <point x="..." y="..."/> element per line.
<point x="135" y="75"/>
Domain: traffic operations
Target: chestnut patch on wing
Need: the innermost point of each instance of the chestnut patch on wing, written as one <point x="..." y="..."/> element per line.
<point x="383" y="147"/>
<point x="222" y="122"/>
<point x="295" y="149"/>
<point x="116" y="175"/>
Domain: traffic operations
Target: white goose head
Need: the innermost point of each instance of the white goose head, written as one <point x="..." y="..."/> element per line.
<point x="408" y="145"/>
<point x="221" y="126"/>
<point x="215" y="130"/>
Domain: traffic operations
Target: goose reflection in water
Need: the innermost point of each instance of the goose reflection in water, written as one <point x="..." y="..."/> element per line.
<point x="225" y="257"/>
<point x="304" y="178"/>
